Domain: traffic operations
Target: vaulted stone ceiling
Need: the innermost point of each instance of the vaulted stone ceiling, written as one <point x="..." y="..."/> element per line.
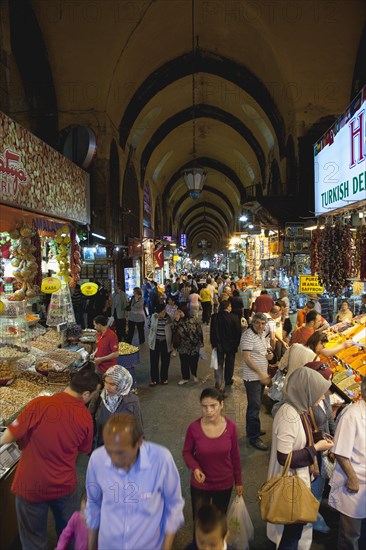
<point x="264" y="71"/>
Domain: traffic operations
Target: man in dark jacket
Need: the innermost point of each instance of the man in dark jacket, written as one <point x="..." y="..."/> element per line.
<point x="225" y="333"/>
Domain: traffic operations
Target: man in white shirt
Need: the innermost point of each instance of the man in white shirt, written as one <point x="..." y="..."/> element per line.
<point x="255" y="347"/>
<point x="348" y="482"/>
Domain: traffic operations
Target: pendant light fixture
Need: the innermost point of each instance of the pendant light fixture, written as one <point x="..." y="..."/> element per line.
<point x="194" y="177"/>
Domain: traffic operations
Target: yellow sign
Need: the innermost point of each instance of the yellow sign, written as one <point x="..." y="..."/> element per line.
<point x="175" y="258"/>
<point x="89" y="289"/>
<point x="50" y="285"/>
<point x="309" y="284"/>
<point x="1" y="306"/>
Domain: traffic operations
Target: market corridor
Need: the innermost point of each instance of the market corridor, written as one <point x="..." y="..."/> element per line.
<point x="167" y="412"/>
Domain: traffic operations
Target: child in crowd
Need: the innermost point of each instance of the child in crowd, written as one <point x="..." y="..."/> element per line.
<point x="210" y="529"/>
<point x="76" y="530"/>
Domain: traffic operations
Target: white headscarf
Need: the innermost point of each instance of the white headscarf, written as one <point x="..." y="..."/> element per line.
<point x="120" y="376"/>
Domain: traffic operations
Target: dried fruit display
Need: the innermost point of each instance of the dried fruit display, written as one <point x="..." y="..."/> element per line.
<point x="315" y="245"/>
<point x="75" y="259"/>
<point x="63" y="251"/>
<point x="336" y="268"/>
<point x="126" y="349"/>
<point x="24" y="261"/>
<point x="360" y="253"/>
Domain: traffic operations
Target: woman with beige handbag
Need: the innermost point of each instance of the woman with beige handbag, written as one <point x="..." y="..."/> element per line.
<point x="292" y="433"/>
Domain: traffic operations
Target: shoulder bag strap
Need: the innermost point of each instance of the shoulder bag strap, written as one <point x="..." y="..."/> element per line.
<point x="313" y="421"/>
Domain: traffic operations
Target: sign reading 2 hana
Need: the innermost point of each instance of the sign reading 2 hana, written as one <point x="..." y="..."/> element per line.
<point x="310" y="285"/>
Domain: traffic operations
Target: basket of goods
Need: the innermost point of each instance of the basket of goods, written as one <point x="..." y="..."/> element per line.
<point x="7" y="374"/>
<point x="25" y="362"/>
<point x="46" y="364"/>
<point x="73" y="332"/>
<point x="32" y="319"/>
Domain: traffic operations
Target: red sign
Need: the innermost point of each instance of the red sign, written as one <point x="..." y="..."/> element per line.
<point x="11" y="174"/>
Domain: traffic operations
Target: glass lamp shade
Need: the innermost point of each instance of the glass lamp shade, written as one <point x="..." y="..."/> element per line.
<point x="194" y="180"/>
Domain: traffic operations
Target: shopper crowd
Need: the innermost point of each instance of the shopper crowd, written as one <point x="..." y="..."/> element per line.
<point x="133" y="493"/>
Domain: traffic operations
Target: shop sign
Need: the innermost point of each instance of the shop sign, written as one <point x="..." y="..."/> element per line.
<point x="35" y="177"/>
<point x="340" y="160"/>
<point x="12" y="174"/>
<point x="183" y="240"/>
<point x="50" y="285"/>
<point x="147" y="206"/>
<point x="175" y="258"/>
<point x="89" y="289"/>
<point x="309" y="284"/>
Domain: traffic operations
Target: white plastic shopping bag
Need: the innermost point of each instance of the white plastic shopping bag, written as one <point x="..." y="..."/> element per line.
<point x="214" y="363"/>
<point x="203" y="354"/>
<point x="240" y="526"/>
<point x="110" y="321"/>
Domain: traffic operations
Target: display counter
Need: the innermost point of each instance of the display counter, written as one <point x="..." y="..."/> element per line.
<point x="348" y="365"/>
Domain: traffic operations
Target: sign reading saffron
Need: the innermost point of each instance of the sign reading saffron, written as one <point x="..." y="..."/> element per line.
<point x="340" y="160"/>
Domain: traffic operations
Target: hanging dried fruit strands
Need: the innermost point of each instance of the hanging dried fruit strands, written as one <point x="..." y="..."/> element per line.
<point x="360" y="253"/>
<point x="315" y="251"/>
<point x="63" y="250"/>
<point x="36" y="242"/>
<point x="75" y="259"/>
<point x="24" y="261"/>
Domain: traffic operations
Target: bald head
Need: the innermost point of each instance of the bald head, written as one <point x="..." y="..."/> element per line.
<point x="123" y="426"/>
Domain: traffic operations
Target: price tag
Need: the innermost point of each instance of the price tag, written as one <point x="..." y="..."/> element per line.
<point x="89" y="289"/>
<point x="50" y="285"/>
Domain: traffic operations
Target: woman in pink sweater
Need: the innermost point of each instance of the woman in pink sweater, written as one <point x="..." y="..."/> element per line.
<point x="76" y="530"/>
<point x="211" y="452"/>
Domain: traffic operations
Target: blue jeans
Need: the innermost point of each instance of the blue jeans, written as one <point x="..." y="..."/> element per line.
<point x="32" y="519"/>
<point x="254" y="391"/>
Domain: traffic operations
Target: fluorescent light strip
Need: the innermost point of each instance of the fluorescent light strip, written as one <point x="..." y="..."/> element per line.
<point x="99" y="236"/>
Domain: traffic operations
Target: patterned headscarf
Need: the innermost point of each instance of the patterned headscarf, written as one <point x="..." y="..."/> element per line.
<point x="120" y="376"/>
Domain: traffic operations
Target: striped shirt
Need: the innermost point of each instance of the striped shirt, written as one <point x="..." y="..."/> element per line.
<point x="160" y="330"/>
<point x="246" y="296"/>
<point x="257" y="345"/>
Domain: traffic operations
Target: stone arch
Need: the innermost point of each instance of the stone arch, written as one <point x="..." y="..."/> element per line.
<point x="115" y="212"/>
<point x="291" y="168"/>
<point x="29" y="49"/>
<point x="275" y="178"/>
<point x="131" y="202"/>
<point x="208" y="62"/>
<point x="158" y="228"/>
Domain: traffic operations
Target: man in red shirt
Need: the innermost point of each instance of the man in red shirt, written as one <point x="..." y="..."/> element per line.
<point x="302" y="334"/>
<point x="107" y="346"/>
<point x="301" y="317"/>
<point x="52" y="430"/>
<point x="264" y="303"/>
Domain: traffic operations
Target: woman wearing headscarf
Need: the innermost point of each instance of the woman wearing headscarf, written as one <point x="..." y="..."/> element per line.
<point x="292" y="432"/>
<point x="116" y="398"/>
<point x="188" y="329"/>
<point x="322" y="421"/>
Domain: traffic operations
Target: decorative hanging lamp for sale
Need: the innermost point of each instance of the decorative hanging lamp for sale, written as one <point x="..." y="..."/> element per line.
<point x="194" y="176"/>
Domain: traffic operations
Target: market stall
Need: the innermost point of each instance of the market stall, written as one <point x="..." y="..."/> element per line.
<point x="348" y="365"/>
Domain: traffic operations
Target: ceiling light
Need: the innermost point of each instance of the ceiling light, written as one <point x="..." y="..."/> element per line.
<point x="194" y="177"/>
<point x="99" y="236"/>
<point x="250" y="226"/>
<point x="310" y="225"/>
<point x="243" y="218"/>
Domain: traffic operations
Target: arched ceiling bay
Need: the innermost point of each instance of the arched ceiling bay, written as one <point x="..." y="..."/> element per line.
<point x="211" y="91"/>
<point x="206" y="218"/>
<point x="204" y="233"/>
<point x="200" y="207"/>
<point x="213" y="139"/>
<point x="200" y="226"/>
<point x="207" y="189"/>
<point x="219" y="175"/>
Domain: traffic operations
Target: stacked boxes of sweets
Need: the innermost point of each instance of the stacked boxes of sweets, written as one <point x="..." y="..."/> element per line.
<point x="349" y="365"/>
